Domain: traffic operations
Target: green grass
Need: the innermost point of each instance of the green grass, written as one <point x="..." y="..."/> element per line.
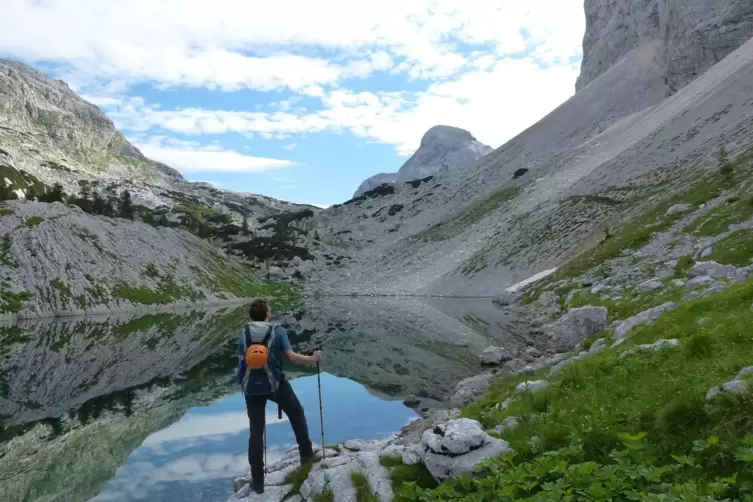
<point x="684" y="264"/>
<point x="736" y="249"/>
<point x="64" y="291"/>
<point x="167" y="292"/>
<point x="400" y="474"/>
<point x="469" y="216"/>
<point x="363" y="491"/>
<point x="632" y="302"/>
<point x="33" y="221"/>
<point x="13" y="302"/>
<point x="642" y="227"/>
<point x="6" y="212"/>
<point x="298" y="477"/>
<point x="166" y="324"/>
<point x="325" y="496"/>
<point x="717" y="221"/>
<point x="594" y="400"/>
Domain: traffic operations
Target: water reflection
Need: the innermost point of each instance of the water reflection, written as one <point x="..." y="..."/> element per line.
<point x="198" y="456"/>
<point x="148" y="405"/>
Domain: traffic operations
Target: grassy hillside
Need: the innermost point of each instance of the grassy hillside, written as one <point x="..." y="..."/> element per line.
<point x="627" y="424"/>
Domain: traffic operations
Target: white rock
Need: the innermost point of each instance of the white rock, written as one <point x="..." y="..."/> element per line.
<point x="470" y="388"/>
<point x="577" y="325"/>
<point x="495" y="355"/>
<point x="297" y="261"/>
<point x="363" y="445"/>
<point x="598" y="345"/>
<point x="532" y="386"/>
<point x="732" y="387"/>
<point x="460" y="449"/>
<point x="650" y="285"/>
<point x="713" y="269"/>
<point x="507" y="424"/>
<point x="679" y="208"/>
<point x="707" y="252"/>
<point x="655" y="347"/>
<point x="704" y="321"/>
<point x="276" y="273"/>
<point x="643" y="318"/>
<point x="678" y="283"/>
<point x="701" y="282"/>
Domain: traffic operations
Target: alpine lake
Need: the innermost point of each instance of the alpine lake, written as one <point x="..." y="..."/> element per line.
<point x="148" y="408"/>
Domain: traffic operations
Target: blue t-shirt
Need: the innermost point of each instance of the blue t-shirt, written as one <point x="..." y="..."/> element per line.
<point x="280" y="344"/>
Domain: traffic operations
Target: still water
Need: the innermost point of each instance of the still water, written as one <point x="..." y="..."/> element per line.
<point x="147" y="408"/>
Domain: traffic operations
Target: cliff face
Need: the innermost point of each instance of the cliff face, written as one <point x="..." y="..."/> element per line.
<point x="694" y="34"/>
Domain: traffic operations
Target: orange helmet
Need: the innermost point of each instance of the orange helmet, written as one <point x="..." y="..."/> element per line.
<point x="256" y="357"/>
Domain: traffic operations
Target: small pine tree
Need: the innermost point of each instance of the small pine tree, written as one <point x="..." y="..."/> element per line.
<point x="108" y="208"/>
<point x="31" y="193"/>
<point x="98" y="204"/>
<point x="725" y="167"/>
<point x="6" y="191"/>
<point x="56" y="194"/>
<point x="245" y="224"/>
<point x="84" y="199"/>
<point x="126" y="206"/>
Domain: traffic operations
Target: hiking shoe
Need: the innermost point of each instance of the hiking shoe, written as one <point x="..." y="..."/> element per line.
<point x="257" y="486"/>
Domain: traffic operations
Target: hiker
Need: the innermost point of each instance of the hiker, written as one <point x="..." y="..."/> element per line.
<point x="261" y="346"/>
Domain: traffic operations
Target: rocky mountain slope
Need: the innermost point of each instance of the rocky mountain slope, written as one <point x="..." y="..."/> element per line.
<point x="84" y="253"/>
<point x="632" y="136"/>
<point x="442" y="148"/>
<point x="693" y="36"/>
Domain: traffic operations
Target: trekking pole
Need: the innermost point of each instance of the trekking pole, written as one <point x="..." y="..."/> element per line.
<point x="321" y="410"/>
<point x="265" y="448"/>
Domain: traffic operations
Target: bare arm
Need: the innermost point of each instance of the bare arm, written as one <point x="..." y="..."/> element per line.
<point x="296" y="358"/>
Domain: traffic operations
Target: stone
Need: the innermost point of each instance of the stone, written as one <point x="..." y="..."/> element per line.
<point x="707" y="252"/>
<point x="655" y="347"/>
<point x="507" y="298"/>
<point x="678" y="283"/>
<point x="276" y="273"/>
<point x="648" y="286"/>
<point x="456" y="447"/>
<point x="713" y="269"/>
<point x="678" y="209"/>
<point x="334" y="474"/>
<point x="507" y="424"/>
<point x="297" y="261"/>
<point x="644" y="317"/>
<point x="533" y="352"/>
<point x="470" y="388"/>
<point x="598" y="346"/>
<point x="701" y="282"/>
<point x="732" y="387"/>
<point x="494" y="356"/>
<point x="704" y="321"/>
<point x="598" y="288"/>
<point x="525" y="371"/>
<point x="741" y="276"/>
<point x="363" y="445"/>
<point x="532" y="386"/>
<point x="744" y="372"/>
<point x="577" y="325"/>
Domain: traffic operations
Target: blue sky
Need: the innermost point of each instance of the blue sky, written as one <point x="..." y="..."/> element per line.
<point x="302" y="100"/>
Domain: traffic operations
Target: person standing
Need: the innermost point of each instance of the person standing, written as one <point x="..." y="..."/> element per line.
<point x="262" y="346"/>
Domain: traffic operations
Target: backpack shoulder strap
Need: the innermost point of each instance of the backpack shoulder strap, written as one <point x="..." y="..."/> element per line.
<point x="269" y="338"/>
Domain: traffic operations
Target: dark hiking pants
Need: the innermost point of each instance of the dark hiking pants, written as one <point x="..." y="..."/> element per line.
<point x="255" y="406"/>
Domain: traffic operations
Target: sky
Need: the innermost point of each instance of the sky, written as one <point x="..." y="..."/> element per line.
<point x="302" y="100"/>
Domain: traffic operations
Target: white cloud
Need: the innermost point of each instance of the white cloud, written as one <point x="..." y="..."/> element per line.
<point x="190" y="157"/>
<point x="231" y="44"/>
<point x="202" y="426"/>
<point x="290" y="146"/>
<point x="494" y="103"/>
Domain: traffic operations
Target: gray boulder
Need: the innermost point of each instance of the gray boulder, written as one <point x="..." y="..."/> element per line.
<point x="703" y="281"/>
<point x="495" y="355"/>
<point x="297" y="261"/>
<point x="506" y="298"/>
<point x="276" y="273"/>
<point x="713" y="269"/>
<point x="649" y="285"/>
<point x="455" y="448"/>
<point x="470" y="388"/>
<point x="532" y="386"/>
<point x="736" y="386"/>
<point x="507" y="424"/>
<point x="577" y="325"/>
<point x="643" y="318"/>
<point x="679" y="208"/>
<point x="657" y="346"/>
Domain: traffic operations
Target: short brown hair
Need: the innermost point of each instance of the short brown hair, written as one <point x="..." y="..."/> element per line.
<point x="258" y="310"/>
